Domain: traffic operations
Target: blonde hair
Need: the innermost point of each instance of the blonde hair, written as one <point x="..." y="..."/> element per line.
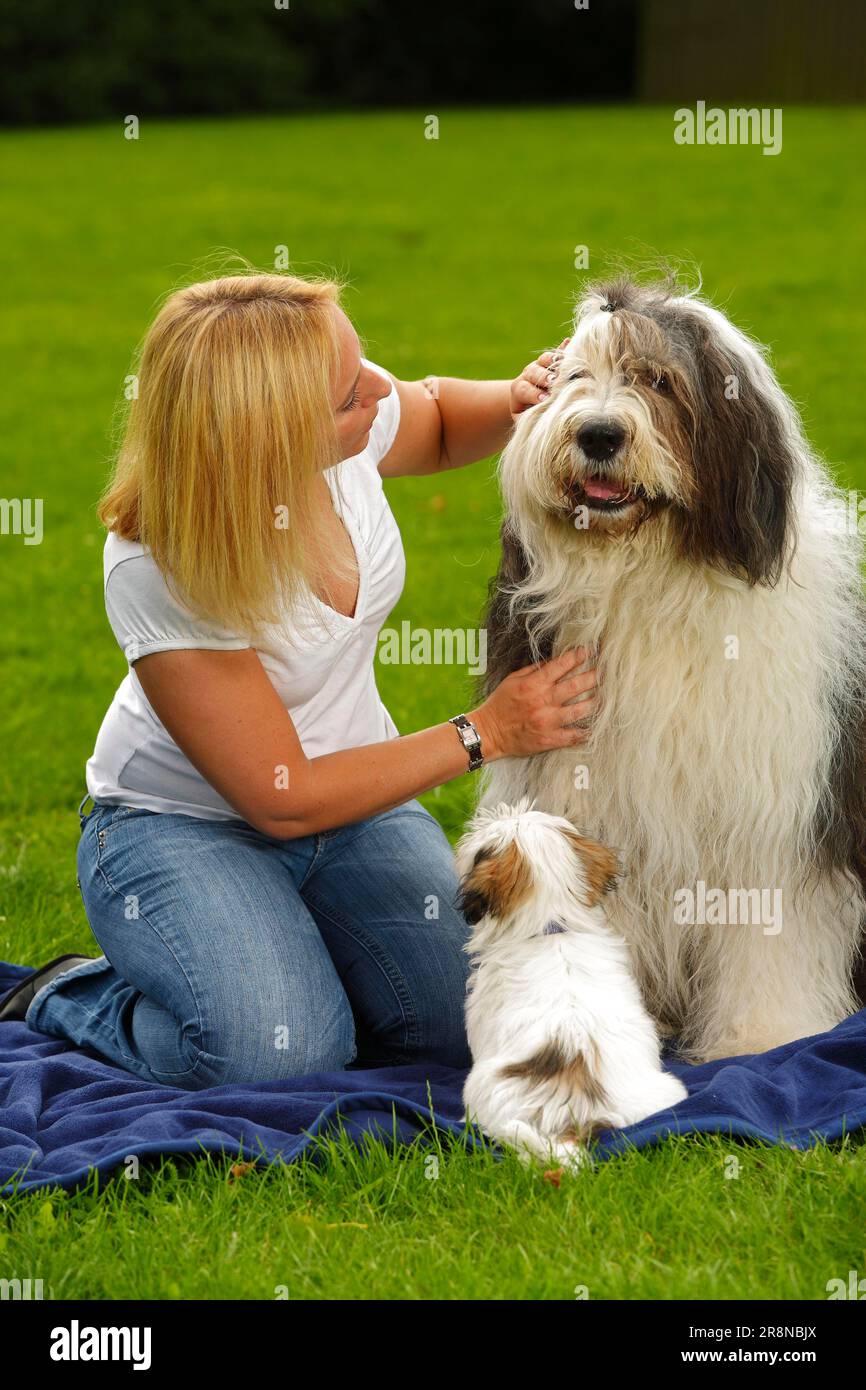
<point x="233" y="420"/>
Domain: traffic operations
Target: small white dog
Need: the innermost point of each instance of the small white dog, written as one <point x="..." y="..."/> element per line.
<point x="561" y="1042"/>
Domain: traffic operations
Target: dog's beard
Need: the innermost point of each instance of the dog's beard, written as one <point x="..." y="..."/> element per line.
<point x="613" y="497"/>
<point x="556" y="480"/>
<point x="603" y="498"/>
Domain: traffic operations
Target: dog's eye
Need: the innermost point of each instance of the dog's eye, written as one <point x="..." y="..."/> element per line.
<point x="661" y="383"/>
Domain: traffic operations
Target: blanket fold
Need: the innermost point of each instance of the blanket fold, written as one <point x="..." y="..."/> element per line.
<point x="65" y="1112"/>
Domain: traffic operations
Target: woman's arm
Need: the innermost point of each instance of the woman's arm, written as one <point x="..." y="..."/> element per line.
<point x="446" y="422"/>
<point x="222" y="711"/>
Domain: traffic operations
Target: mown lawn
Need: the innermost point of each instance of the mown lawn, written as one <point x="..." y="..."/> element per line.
<point x="460" y="256"/>
<point x="696" y="1218"/>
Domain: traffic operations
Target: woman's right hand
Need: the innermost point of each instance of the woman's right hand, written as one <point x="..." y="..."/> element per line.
<point x="532" y="709"/>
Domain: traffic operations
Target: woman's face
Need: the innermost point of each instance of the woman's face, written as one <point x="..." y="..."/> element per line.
<point x="358" y="393"/>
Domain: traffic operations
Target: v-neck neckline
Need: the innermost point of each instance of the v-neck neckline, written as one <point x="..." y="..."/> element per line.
<point x="344" y="514"/>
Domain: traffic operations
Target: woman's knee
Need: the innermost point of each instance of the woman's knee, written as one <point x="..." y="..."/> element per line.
<point x="277" y="1040"/>
<point x="443" y="1034"/>
<point x="227" y="958"/>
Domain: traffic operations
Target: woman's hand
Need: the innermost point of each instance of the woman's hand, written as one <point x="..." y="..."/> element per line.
<point x="533" y="709"/>
<point x="533" y="384"/>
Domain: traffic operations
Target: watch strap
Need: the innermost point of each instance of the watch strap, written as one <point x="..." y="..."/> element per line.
<point x="470" y="738"/>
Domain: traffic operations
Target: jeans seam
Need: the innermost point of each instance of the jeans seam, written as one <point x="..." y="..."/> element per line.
<point x="363" y="825"/>
<point x="394" y="978"/>
<point x="158" y="934"/>
<point x="320" y="845"/>
<point x="49" y="990"/>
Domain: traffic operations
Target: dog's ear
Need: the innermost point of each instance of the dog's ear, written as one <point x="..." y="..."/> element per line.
<point x="496" y="883"/>
<point x="601" y="868"/>
<point x="744" y="458"/>
<point x="508" y="641"/>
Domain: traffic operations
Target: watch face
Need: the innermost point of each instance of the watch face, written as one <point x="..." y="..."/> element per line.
<point x="471" y="741"/>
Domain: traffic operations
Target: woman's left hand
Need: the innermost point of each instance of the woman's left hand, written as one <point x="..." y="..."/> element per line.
<point x="533" y="384"/>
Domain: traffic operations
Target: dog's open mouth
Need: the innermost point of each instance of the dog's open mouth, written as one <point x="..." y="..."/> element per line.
<point x="602" y="494"/>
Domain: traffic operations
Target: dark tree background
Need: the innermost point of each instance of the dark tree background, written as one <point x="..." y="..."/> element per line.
<point x="71" y="60"/>
<point x="90" y="60"/>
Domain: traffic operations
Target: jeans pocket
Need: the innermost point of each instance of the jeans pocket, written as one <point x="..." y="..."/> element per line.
<point x="113" y="838"/>
<point x="110" y="822"/>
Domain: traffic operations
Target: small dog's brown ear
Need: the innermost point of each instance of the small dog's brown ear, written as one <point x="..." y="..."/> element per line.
<point x="601" y="867"/>
<point x="495" y="885"/>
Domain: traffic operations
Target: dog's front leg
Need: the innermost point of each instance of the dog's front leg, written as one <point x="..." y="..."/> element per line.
<point x="767" y="982"/>
<point x="499" y="1109"/>
<point x="531" y="1144"/>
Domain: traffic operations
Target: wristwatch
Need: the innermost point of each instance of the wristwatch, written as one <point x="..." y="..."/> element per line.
<point x="470" y="738"/>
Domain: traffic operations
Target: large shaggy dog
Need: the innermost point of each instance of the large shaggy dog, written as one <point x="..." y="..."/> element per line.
<point x="663" y="505"/>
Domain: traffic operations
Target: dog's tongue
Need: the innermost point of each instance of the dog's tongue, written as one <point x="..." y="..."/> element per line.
<point x="597" y="487"/>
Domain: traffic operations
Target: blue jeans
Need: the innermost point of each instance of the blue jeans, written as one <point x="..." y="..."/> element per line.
<point x="231" y="956"/>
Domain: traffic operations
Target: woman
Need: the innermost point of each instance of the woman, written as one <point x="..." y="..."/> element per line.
<point x="270" y="897"/>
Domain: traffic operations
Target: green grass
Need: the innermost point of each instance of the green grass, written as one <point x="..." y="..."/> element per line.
<point x="438" y="1223"/>
<point x="460" y="257"/>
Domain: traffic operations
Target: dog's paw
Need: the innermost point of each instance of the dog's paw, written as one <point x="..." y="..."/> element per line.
<point x="531" y="1146"/>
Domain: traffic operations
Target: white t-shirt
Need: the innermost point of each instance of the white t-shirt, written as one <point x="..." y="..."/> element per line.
<point x="322" y="667"/>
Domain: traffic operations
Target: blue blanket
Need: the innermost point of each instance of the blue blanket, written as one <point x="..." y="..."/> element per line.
<point x="64" y="1112"/>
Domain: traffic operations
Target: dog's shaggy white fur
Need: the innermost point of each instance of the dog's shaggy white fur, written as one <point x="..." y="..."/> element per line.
<point x="664" y="506"/>
<point x="561" y="1042"/>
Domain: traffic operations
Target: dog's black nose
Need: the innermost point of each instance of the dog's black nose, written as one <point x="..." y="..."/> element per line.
<point x="600" y="439"/>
